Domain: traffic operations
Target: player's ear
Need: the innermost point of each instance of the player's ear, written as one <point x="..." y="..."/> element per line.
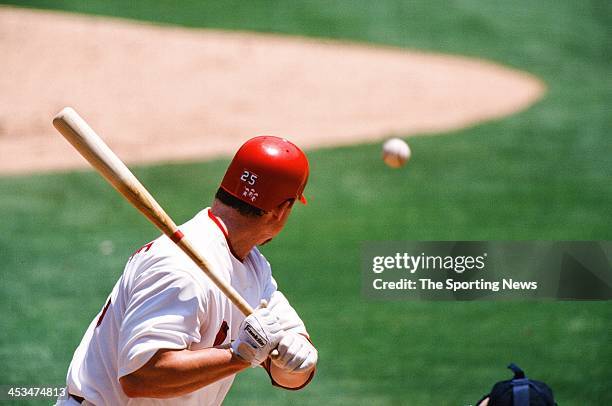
<point x="280" y="210"/>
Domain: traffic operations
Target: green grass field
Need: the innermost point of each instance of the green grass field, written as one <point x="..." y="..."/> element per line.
<point x="542" y="174"/>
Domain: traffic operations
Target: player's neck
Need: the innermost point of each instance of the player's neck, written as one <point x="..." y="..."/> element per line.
<point x="242" y="232"/>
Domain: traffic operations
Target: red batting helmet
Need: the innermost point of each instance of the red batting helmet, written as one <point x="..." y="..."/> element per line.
<point x="266" y="171"/>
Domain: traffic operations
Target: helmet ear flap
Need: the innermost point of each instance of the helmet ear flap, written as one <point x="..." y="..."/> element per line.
<point x="266" y="171"/>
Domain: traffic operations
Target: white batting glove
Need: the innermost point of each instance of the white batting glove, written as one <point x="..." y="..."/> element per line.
<point x="259" y="333"/>
<point x="288" y="317"/>
<point x="295" y="353"/>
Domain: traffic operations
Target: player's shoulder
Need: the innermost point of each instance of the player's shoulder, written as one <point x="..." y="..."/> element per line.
<point x="200" y="226"/>
<point x="259" y="261"/>
<point x="163" y="254"/>
<point x="263" y="272"/>
<point x="197" y="230"/>
<point x="167" y="274"/>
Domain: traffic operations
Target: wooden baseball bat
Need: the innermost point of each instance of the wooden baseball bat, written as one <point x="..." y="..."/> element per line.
<point x="100" y="156"/>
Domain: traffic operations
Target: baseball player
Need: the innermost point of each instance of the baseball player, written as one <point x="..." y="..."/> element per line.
<point x="167" y="335"/>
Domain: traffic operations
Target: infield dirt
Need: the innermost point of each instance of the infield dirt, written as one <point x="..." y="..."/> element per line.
<point x="160" y="93"/>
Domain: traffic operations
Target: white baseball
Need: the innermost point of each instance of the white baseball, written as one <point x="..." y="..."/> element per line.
<point x="396" y="152"/>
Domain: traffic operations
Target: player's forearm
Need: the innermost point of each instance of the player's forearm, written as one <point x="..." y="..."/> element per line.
<point x="290" y="380"/>
<point x="174" y="373"/>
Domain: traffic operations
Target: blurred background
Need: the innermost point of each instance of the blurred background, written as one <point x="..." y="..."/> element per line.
<point x="542" y="174"/>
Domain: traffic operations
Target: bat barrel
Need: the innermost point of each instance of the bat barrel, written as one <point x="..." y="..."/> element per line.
<point x="84" y="139"/>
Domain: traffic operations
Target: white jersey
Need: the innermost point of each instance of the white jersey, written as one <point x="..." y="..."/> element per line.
<point x="163" y="300"/>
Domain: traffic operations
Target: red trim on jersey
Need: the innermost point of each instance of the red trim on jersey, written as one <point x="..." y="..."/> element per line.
<point x="218" y="223"/>
<point x="221" y="226"/>
<point x="177" y="236"/>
